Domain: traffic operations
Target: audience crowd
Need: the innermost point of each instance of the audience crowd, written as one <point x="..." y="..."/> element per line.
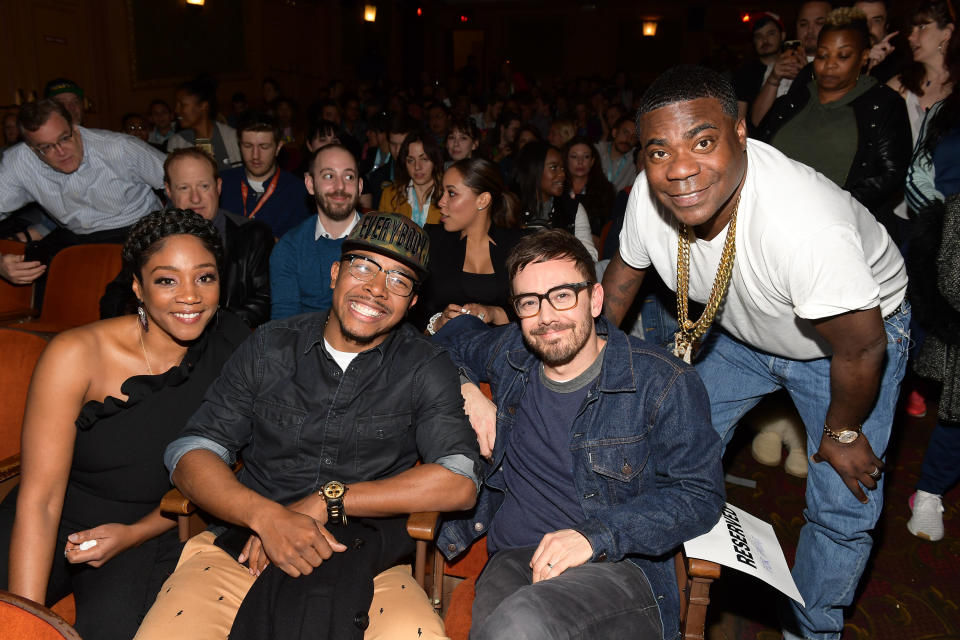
<point x="793" y="197"/>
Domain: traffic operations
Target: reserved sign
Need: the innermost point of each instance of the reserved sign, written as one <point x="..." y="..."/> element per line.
<point x="748" y="544"/>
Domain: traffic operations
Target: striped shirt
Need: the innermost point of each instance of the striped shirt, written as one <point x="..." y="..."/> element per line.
<point x="112" y="188"/>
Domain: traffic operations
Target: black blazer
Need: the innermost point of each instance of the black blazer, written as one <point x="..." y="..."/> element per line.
<point x="444" y="285"/>
<point x="884" y="144"/>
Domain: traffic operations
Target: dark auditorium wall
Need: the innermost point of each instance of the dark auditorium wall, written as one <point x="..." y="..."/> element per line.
<point x="304" y="43"/>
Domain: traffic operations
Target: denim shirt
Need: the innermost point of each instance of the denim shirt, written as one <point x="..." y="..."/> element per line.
<point x="299" y="421"/>
<point x="646" y="460"/>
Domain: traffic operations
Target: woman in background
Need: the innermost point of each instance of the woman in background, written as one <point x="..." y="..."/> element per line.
<point x="468" y="249"/>
<point x="417" y="185"/>
<point x="843" y="123"/>
<point x="539" y="183"/>
<point x="587" y="184"/>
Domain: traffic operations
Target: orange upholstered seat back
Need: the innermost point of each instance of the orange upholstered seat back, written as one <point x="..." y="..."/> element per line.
<point x="22" y="619"/>
<point x="20" y="353"/>
<point x="76" y="280"/>
<point x="15" y="300"/>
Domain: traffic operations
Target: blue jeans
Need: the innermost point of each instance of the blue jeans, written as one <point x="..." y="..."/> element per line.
<point x="593" y="600"/>
<point x="835" y="542"/>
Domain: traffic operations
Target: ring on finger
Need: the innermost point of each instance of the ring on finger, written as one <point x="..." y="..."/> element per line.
<point x="875" y="474"/>
<point x="549" y="566"/>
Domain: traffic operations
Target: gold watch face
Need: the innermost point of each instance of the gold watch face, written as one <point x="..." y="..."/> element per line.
<point x="333" y="490"/>
<point x="846" y="437"/>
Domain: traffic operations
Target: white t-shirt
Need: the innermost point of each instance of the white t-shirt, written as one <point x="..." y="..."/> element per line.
<point x="805" y="250"/>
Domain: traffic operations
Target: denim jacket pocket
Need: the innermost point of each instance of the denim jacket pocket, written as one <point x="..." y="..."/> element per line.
<point x="381" y="440"/>
<point x="622" y="459"/>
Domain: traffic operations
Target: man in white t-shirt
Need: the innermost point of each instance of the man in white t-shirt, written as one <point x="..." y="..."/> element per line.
<point x="815" y="305"/>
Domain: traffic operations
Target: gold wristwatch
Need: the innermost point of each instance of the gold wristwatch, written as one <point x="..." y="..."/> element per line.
<point x="845" y="435"/>
<point x="332" y="494"/>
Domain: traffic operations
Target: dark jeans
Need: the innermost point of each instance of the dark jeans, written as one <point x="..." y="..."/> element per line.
<point x="595" y="600"/>
<point x="941" y="462"/>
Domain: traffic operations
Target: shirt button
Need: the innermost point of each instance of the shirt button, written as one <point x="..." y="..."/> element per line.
<point x="327" y="461"/>
<point x="511" y="410"/>
<point x="478" y="526"/>
<point x="336" y="374"/>
<point x="602" y="557"/>
<point x="626" y="468"/>
<point x="451" y="547"/>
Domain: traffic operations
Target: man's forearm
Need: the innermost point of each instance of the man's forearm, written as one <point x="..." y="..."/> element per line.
<point x="764" y="100"/>
<point x="427" y="487"/>
<point x="207" y="480"/>
<point x="854" y="381"/>
<point x="620" y="285"/>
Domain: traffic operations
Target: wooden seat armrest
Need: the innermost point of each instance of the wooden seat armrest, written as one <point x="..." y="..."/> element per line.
<point x="698" y="568"/>
<point x="176" y="503"/>
<point x="10" y="467"/>
<point x="423" y="526"/>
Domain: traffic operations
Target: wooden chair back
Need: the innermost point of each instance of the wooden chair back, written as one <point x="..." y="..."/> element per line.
<point x="23" y="619"/>
<point x="76" y="280"/>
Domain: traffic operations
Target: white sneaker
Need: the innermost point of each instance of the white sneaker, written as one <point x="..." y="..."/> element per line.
<point x="927" y="519"/>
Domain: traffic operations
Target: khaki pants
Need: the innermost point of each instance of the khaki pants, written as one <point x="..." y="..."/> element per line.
<point x="201" y="599"/>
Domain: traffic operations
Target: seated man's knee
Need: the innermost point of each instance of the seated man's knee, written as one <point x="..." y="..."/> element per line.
<point x="518" y="617"/>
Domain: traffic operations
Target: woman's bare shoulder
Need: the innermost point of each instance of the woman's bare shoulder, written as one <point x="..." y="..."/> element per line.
<point x="92" y="345"/>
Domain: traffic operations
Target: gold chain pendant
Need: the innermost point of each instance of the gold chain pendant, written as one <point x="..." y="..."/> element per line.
<point x="686" y="340"/>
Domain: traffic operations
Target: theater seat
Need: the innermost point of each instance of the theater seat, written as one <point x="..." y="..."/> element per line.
<point x="22" y="619"/>
<point x="76" y="280"/>
<point x="16" y="301"/>
<point x="20" y="354"/>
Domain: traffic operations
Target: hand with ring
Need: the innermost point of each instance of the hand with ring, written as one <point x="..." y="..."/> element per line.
<point x="875" y="474"/>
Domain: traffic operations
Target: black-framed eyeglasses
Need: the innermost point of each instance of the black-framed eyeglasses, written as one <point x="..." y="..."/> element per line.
<point x="562" y="297"/>
<point x="366" y="269"/>
<point x="43" y="149"/>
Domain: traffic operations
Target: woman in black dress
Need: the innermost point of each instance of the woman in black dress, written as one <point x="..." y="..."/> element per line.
<point x="104" y="402"/>
<point x="468" y="249"/>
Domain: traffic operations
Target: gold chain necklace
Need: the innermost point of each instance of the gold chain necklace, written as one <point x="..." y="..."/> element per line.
<point x="685" y="340"/>
<point x="144" y="349"/>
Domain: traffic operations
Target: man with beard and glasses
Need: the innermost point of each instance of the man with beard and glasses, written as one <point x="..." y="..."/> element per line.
<point x="260" y="189"/>
<point x="599" y="463"/>
<point x="300" y="263"/>
<point x="330" y="412"/>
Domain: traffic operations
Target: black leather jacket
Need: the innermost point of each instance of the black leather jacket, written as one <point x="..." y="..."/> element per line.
<point x="245" y="283"/>
<point x="884" y="143"/>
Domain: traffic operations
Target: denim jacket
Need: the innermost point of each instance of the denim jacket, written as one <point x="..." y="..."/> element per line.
<point x="646" y="460"/>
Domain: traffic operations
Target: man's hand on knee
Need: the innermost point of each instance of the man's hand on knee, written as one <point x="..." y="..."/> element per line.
<point x="854" y="462"/>
<point x="295" y="542"/>
<point x="558" y="551"/>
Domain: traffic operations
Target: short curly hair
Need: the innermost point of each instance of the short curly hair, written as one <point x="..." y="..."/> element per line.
<point x="146" y="237"/>
<point x="847" y="19"/>
<point x="684" y="83"/>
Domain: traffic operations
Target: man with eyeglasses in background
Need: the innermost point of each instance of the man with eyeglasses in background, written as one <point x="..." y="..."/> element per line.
<point x="95" y="184"/>
<point x="330" y="412"/>
<point x="600" y="462"/>
<point x="300" y="263"/>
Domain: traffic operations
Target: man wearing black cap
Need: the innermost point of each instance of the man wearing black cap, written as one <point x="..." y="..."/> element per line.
<point x="330" y="412"/>
<point x="69" y="94"/>
<point x="768" y="35"/>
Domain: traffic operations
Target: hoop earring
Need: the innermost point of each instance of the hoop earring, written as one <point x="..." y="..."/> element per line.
<point x="142" y="315"/>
